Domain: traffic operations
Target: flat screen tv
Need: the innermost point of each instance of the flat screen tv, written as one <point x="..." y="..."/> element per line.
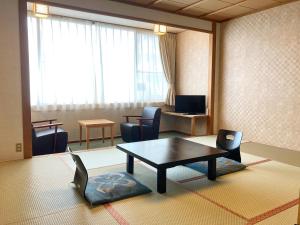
<point x="190" y="104"/>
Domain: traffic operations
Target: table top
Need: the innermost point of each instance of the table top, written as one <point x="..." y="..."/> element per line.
<point x="185" y="115"/>
<point x="97" y="122"/>
<point x="170" y="152"/>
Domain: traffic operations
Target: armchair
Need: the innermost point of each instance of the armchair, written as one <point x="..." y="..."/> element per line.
<point x="146" y="128"/>
<point x="47" y="138"/>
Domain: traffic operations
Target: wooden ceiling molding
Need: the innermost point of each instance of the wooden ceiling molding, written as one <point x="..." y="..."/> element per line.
<point x="214" y="10"/>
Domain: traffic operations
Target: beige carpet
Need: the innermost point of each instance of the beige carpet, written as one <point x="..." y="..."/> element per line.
<point x="38" y="191"/>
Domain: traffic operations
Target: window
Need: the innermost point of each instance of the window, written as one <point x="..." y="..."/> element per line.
<point x="80" y="64"/>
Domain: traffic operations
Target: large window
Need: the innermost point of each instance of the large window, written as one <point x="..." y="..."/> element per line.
<point x="80" y="64"/>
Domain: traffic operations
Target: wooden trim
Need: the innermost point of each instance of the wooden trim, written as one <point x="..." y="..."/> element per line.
<point x="211" y="81"/>
<point x="258" y="10"/>
<point x="96" y="21"/>
<point x="191" y="5"/>
<point x="225" y="8"/>
<point x="25" y="82"/>
<point x="128" y="17"/>
<point x="151" y="6"/>
<point x="180" y="11"/>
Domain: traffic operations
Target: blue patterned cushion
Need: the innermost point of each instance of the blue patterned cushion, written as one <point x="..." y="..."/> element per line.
<point x="113" y="186"/>
<point x="224" y="166"/>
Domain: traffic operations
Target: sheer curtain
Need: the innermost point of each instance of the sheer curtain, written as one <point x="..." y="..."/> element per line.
<point x="80" y="64"/>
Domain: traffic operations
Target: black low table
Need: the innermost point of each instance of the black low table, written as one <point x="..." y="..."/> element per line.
<point x="166" y="153"/>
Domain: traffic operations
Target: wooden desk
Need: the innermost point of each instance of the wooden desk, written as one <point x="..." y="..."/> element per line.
<point x="102" y="123"/>
<point x="193" y="119"/>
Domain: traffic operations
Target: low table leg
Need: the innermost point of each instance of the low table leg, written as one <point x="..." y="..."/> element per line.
<point x="212" y="167"/>
<point x="130" y="165"/>
<point x="161" y="180"/>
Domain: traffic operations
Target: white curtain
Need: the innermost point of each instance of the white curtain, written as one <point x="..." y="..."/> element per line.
<point x="80" y="64"/>
<point x="167" y="44"/>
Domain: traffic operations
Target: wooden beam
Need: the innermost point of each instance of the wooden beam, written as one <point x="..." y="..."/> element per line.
<point x="211" y="80"/>
<point x="143" y="13"/>
<point x="25" y="83"/>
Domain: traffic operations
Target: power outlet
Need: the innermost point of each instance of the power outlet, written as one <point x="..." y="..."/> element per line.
<point x="19" y="147"/>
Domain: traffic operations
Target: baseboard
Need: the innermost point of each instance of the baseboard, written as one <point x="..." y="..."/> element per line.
<point x="118" y="136"/>
<point x="92" y="139"/>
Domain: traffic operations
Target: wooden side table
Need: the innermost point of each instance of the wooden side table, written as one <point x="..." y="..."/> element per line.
<point x="99" y="123"/>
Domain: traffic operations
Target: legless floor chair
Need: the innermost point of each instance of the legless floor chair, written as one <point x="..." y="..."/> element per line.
<point x="107" y="187"/>
<point x="230" y="141"/>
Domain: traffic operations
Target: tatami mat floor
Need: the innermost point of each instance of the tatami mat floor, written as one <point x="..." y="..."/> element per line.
<point x="38" y="191"/>
<point x="118" y="140"/>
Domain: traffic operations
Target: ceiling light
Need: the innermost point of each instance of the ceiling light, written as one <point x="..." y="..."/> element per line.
<point x="160" y="29"/>
<point x="40" y="10"/>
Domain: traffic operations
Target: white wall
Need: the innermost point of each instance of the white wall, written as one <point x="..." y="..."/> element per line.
<point x="10" y="82"/>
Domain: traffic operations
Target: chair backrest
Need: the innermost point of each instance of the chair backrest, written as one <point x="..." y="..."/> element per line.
<point x="81" y="175"/>
<point x="229" y="140"/>
<point x="152" y="113"/>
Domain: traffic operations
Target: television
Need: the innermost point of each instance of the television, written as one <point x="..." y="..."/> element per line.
<point x="190" y="104"/>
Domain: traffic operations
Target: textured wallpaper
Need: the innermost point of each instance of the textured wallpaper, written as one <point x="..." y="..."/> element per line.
<point x="260" y="76"/>
<point x="192" y="57"/>
<point x="192" y="60"/>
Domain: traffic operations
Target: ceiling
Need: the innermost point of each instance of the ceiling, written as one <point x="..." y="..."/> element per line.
<point x="216" y="10"/>
<point x="102" y="18"/>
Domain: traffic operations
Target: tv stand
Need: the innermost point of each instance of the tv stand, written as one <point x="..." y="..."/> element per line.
<point x="193" y="118"/>
<point x="191" y="114"/>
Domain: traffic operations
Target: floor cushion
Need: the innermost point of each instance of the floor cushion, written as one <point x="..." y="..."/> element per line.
<point x="224" y="166"/>
<point x="113" y="186"/>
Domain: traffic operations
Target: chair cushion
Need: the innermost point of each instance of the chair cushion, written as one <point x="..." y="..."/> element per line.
<point x="130" y="132"/>
<point x="224" y="166"/>
<point x="112" y="187"/>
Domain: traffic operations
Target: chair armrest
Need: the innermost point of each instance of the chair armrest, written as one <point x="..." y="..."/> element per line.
<point x="43" y="121"/>
<point x="47" y="125"/>
<point x="143" y="119"/>
<point x="128" y="116"/>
